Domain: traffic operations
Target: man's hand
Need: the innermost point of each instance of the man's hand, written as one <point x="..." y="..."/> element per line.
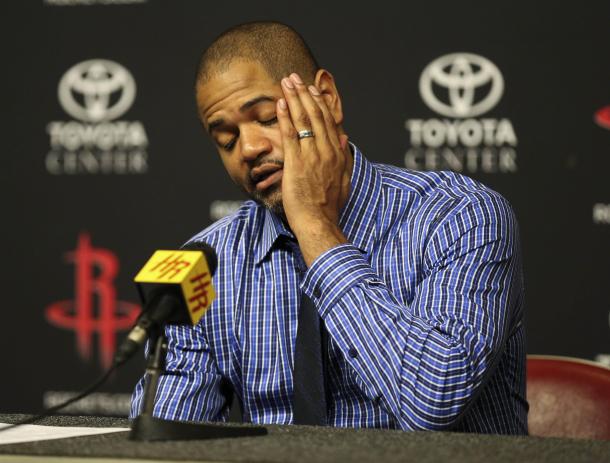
<point x="317" y="170"/>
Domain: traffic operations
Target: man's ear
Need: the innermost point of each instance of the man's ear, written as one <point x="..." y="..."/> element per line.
<point x="325" y="83"/>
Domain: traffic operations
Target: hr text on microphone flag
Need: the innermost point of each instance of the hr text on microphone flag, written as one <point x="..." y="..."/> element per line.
<point x="187" y="269"/>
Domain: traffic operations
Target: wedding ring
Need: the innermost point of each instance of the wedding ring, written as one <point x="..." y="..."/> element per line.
<point x="305" y="134"/>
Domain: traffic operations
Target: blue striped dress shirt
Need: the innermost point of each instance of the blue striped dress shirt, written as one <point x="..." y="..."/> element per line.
<point x="424" y="310"/>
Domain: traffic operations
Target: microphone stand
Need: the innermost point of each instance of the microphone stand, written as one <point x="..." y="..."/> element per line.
<point x="146" y="427"/>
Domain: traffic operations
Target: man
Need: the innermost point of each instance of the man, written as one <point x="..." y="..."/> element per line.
<point x="416" y="276"/>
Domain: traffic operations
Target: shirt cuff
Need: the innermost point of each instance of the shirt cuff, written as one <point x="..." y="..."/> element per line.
<point x="333" y="273"/>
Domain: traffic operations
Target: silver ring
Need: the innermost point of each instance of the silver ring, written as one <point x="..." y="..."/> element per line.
<point x="305" y="134"/>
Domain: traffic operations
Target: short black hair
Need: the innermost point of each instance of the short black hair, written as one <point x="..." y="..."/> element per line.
<point x="276" y="46"/>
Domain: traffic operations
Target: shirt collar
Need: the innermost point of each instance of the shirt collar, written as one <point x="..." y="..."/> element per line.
<point x="357" y="218"/>
<point x="271" y="229"/>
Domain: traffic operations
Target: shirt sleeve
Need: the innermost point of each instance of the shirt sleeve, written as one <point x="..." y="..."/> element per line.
<point x="190" y="388"/>
<point x="424" y="360"/>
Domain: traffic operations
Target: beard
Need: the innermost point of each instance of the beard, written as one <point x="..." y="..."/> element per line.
<point x="271" y="198"/>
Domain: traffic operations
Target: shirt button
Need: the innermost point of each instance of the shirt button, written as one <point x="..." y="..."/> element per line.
<point x="353" y="353"/>
<point x="316" y="293"/>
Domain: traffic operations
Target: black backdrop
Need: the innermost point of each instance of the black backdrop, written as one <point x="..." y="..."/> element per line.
<point x="86" y="194"/>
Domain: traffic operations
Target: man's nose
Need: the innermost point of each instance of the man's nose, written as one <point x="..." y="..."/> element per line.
<point x="254" y="143"/>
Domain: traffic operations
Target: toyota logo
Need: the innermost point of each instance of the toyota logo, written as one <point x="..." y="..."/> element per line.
<point x="96" y="90"/>
<point x="456" y="78"/>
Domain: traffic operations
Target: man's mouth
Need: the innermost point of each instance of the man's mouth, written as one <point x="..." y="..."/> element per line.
<point x="266" y="175"/>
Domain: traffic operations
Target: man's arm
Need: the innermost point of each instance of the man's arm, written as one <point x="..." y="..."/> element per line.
<point x="425" y="360"/>
<point x="190" y="387"/>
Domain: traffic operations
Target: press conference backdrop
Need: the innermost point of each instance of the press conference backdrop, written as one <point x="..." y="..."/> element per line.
<point x="104" y="159"/>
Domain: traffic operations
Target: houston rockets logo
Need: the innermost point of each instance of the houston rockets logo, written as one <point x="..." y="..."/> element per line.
<point x="95" y="271"/>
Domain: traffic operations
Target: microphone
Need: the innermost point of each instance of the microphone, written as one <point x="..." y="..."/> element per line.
<point x="175" y="287"/>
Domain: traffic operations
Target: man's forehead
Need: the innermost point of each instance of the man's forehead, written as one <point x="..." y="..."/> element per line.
<point x="235" y="84"/>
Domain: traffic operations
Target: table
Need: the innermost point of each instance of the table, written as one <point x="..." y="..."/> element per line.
<point x="303" y="444"/>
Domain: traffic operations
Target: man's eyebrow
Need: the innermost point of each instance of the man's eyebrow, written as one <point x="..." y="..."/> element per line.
<point x="247" y="105"/>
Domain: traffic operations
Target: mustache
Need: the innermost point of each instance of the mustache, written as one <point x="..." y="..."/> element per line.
<point x="263" y="162"/>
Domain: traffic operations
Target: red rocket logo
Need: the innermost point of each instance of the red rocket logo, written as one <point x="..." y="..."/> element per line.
<point x="95" y="309"/>
<point x="602" y="117"/>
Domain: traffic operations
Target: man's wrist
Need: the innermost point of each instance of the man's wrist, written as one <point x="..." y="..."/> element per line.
<point x="317" y="237"/>
<point x="335" y="272"/>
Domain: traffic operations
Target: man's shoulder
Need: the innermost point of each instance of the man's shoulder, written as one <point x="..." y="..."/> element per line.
<point x="439" y="190"/>
<point x="233" y="227"/>
<point x="440" y="207"/>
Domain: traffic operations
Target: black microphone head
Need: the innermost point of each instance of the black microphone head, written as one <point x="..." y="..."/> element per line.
<point x="208" y="252"/>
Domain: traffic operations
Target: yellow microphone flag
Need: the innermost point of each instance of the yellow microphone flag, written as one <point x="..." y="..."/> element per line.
<point x="189" y="270"/>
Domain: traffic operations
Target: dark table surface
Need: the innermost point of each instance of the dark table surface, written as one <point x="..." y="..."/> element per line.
<point x="310" y="444"/>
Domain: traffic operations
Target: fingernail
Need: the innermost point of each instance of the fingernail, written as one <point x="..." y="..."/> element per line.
<point x="313" y="90"/>
<point x="282" y="103"/>
<point x="296" y="78"/>
<point x="287" y="82"/>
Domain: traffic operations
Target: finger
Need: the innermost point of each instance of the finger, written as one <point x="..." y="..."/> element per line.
<point x="324" y="142"/>
<point x="290" y="142"/>
<point x="298" y="115"/>
<point x="343" y="140"/>
<point x="329" y="120"/>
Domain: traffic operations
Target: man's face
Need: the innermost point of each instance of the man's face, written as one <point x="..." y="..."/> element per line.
<point x="237" y="108"/>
